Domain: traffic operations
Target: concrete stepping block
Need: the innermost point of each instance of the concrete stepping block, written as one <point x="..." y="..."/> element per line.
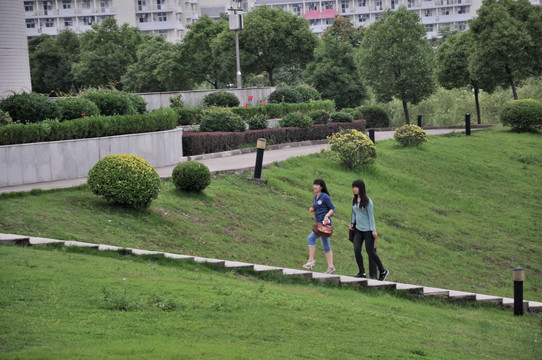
<point x="435" y="292"/>
<point x="535" y="306"/>
<point x="326" y="277"/>
<point x="210" y="261"/>
<point x="509" y="302"/>
<point x="237" y="265"/>
<point x="178" y="256"/>
<point x="43" y="241"/>
<point x="352" y="281"/>
<point x="109" y="248"/>
<point x="301" y="273"/>
<point x="80" y="244"/>
<point x="12" y="239"/>
<point x="381" y="284"/>
<point x="413" y="289"/>
<point x="488" y="298"/>
<point x="145" y="252"/>
<point x="264" y="268"/>
<point x="461" y="295"/>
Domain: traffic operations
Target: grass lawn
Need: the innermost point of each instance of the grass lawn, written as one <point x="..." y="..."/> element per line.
<point x="458" y="213"/>
<point x="67" y="304"/>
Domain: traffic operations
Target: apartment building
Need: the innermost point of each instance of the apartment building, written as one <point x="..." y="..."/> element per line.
<point x="213" y="8"/>
<point x="168" y="18"/>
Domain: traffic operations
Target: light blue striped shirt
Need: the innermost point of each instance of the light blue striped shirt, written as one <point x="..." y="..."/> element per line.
<point x="364" y="217"/>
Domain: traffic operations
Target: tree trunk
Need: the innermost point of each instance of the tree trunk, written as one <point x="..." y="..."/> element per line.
<point x="270" y="75"/>
<point x="405" y="108"/>
<point x="511" y="81"/>
<point x="478" y="116"/>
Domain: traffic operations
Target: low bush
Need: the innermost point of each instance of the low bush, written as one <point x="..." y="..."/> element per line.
<point x="375" y="116"/>
<point x="341" y="116"/>
<point x="221" y="119"/>
<point x="29" y="107"/>
<point x="111" y="102"/>
<point x="191" y="176"/>
<point x="176" y="101"/>
<point x="285" y="95"/>
<point x="5" y="119"/>
<point x="195" y="143"/>
<point x="319" y="116"/>
<point x="125" y="179"/>
<point x="296" y="119"/>
<point x="522" y="115"/>
<point x="308" y="93"/>
<point x="189" y="116"/>
<point x="138" y="103"/>
<point x="88" y="127"/>
<point x="220" y="99"/>
<point x="257" y="122"/>
<point x="70" y="108"/>
<point x="356" y="113"/>
<point x="410" y="135"/>
<point x="352" y="148"/>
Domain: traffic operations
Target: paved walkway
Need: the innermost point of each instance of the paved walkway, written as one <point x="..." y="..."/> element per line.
<point x="229" y="163"/>
<point x="338" y="280"/>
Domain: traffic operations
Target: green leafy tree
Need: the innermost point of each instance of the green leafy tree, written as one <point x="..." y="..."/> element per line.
<point x="508" y="43"/>
<point x="106" y="52"/>
<point x="453" y="65"/>
<point x="159" y="67"/>
<point x="343" y="30"/>
<point x="198" y="55"/>
<point x="396" y="59"/>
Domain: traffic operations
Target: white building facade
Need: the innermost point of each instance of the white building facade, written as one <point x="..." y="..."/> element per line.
<point x="168" y="18"/>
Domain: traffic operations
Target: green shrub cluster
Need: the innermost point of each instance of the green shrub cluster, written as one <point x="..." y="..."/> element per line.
<point x="5" y="119"/>
<point x="522" y="115"/>
<point x="176" y="101"/>
<point x="125" y="179"/>
<point x="257" y="122"/>
<point x="88" y="127"/>
<point x="221" y="119"/>
<point x="410" y="135"/>
<point x="191" y="176"/>
<point x="296" y="119"/>
<point x="319" y="116"/>
<point x="114" y="102"/>
<point x="285" y="95"/>
<point x="375" y="116"/>
<point x="29" y="107"/>
<point x="356" y="113"/>
<point x="138" y="103"/>
<point x="341" y="116"/>
<point x="69" y="108"/>
<point x="307" y="93"/>
<point x="352" y="148"/>
<point x="220" y="99"/>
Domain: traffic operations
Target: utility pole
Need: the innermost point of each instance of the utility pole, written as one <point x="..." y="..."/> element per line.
<point x="236" y="24"/>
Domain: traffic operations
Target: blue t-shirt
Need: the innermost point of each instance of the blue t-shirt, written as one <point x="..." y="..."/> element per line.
<point x="322" y="205"/>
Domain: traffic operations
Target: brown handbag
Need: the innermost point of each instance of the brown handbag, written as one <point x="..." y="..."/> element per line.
<point x="322" y="230"/>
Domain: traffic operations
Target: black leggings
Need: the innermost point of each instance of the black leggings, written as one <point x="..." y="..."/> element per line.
<point x="359" y="237"/>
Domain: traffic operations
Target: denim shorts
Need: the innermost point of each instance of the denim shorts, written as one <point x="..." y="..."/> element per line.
<point x="325" y="241"/>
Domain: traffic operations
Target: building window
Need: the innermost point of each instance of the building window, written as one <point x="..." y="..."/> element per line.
<point x="28" y="6"/>
<point x="411" y="3"/>
<point x="428" y="13"/>
<point x="445" y="11"/>
<point x="85" y="4"/>
<point x="66" y="4"/>
<point x="329" y="21"/>
<point x="68" y="22"/>
<point x="378" y="4"/>
<point x="143" y="18"/>
<point x="327" y="5"/>
<point x="141" y="4"/>
<point x="30" y="23"/>
<point x="297" y="9"/>
<point x="394" y="3"/>
<point x="463" y="10"/>
<point x="314" y="6"/>
<point x="104" y="5"/>
<point x="362" y="18"/>
<point x="160" y="4"/>
<point x="162" y="16"/>
<point x="49" y="23"/>
<point x="88" y="20"/>
<point x="345" y="4"/>
<point x="163" y="33"/>
<point x="429" y="27"/>
<point x="314" y="22"/>
<point x="362" y="3"/>
<point x="47" y="6"/>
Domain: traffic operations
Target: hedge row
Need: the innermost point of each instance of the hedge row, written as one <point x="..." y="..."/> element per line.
<point x="88" y="127"/>
<point x="195" y="143"/>
<point x="270" y="111"/>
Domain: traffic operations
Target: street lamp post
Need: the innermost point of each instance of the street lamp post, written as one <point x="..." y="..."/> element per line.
<point x="236" y="24"/>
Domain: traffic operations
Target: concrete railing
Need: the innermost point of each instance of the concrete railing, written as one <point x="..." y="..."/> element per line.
<point x="156" y="100"/>
<point x="72" y="159"/>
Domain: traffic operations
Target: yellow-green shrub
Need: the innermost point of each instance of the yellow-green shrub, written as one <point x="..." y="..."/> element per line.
<point x="352" y="148"/>
<point x="410" y="135"/>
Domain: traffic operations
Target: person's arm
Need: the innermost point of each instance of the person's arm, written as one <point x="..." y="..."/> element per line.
<point x="371" y="216"/>
<point x="331" y="208"/>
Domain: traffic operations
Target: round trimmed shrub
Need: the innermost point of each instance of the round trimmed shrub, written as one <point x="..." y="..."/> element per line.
<point x="319" y="116"/>
<point x="176" y="101"/>
<point x="341" y="116"/>
<point x="296" y="119"/>
<point x="285" y="95"/>
<point x="221" y="119"/>
<point x="125" y="179"/>
<point x="308" y="93"/>
<point x="375" y="116"/>
<point x="139" y="104"/>
<point x="522" y="115"/>
<point x="74" y="108"/>
<point x="191" y="176"/>
<point x="352" y="148"/>
<point x="257" y="122"/>
<point x="410" y="135"/>
<point x="5" y="119"/>
<point x="29" y="107"/>
<point x="111" y="102"/>
<point x="220" y="99"/>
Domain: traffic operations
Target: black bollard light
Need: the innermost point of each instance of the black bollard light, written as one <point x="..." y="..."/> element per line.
<point x="372" y="135"/>
<point x="467" y="124"/>
<point x="519" y="277"/>
<point x="419" y="120"/>
<point x="260" y="146"/>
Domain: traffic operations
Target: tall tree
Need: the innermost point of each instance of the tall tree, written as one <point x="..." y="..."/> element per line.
<point x="106" y="52"/>
<point x="453" y="70"/>
<point x="508" y="37"/>
<point x="343" y="30"/>
<point x="198" y="54"/>
<point x="396" y="59"/>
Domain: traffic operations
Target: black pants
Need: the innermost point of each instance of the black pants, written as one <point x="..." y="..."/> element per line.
<point x="374" y="260"/>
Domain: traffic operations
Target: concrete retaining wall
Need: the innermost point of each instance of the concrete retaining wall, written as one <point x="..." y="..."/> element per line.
<point x="72" y="159"/>
<point x="194" y="98"/>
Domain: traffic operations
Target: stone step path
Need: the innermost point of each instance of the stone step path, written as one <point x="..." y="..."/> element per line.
<point x="339" y="280"/>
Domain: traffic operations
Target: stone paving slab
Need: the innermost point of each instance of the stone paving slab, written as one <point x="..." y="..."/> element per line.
<point x="381" y="284"/>
<point x="352" y="281"/>
<point x="326" y="277"/>
<point x="295" y="272"/>
<point x="264" y="268"/>
<point x="145" y="252"/>
<point x="461" y="295"/>
<point x="509" y="303"/>
<point x="178" y="256"/>
<point x="210" y="261"/>
<point x="535" y="306"/>
<point x="413" y="289"/>
<point x="80" y="244"/>
<point x="43" y="241"/>
<point x="15" y="239"/>
<point x="436" y="292"/>
<point x="237" y="264"/>
<point x="109" y="247"/>
<point x="489" y="298"/>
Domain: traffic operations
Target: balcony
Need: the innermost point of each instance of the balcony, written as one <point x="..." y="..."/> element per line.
<point x="428" y="4"/>
<point x="159" y="25"/>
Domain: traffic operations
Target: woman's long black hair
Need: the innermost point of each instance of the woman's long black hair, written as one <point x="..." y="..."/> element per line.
<point x="322" y="184"/>
<point x="362" y="194"/>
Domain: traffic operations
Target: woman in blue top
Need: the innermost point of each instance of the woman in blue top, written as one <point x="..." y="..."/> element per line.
<point x="323" y="209"/>
<point x="363" y="224"/>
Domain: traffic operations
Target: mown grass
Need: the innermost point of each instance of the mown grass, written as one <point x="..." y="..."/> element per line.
<point x="458" y="213"/>
<point x="67" y="304"/>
